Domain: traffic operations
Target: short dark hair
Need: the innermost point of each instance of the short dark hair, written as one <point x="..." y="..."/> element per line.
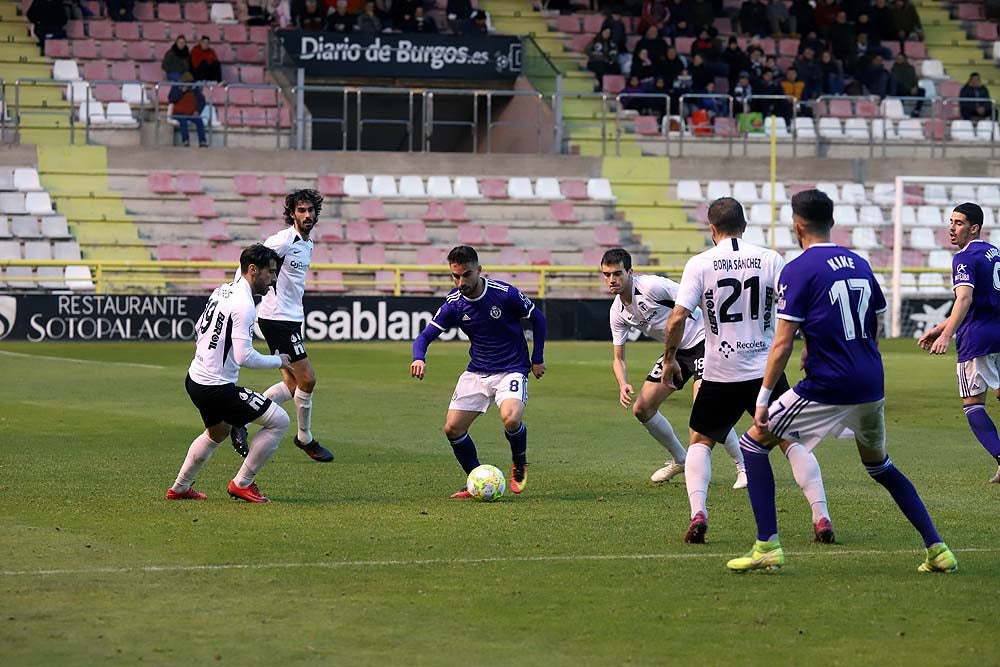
<point x="463" y="254"/>
<point x="258" y="255"/>
<point x="310" y="196"/>
<point x="815" y="207"/>
<point x="617" y="256"/>
<point x="726" y="214"/>
<point x="972" y="212"/>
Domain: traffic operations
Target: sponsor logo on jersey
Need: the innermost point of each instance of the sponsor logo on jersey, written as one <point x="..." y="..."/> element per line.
<point x="466" y="318"/>
<point x="220" y="320"/>
<point x="960" y="275"/>
<point x="495" y="312"/>
<point x="725" y="349"/>
<point x="961" y="268"/>
<point x="754" y="346"/>
<point x="793" y="434"/>
<point x="713" y="320"/>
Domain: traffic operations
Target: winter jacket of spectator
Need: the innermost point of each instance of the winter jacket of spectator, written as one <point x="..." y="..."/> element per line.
<point x="968" y="109"/>
<point x="842" y="40"/>
<point x="671" y="69"/>
<point x="187" y="100"/>
<point x="793" y="88"/>
<point x="707" y="48"/>
<point x="656" y="48"/>
<point x="462" y="9"/>
<point x="881" y="24"/>
<point x="177" y="60"/>
<point x="701" y="13"/>
<point x="737" y="60"/>
<point x="618" y="32"/>
<point x="646" y="72"/>
<point x="809" y="71"/>
<point x="205" y="64"/>
<point x="337" y="22"/>
<point x="425" y="25"/>
<point x="680" y="14"/>
<point x="654" y="12"/>
<point x="602" y="50"/>
<point x="49" y="13"/>
<point x="368" y="24"/>
<point x="805" y="20"/>
<point x="806" y="42"/>
<point x="741" y="94"/>
<point x="315" y="21"/>
<point x="700" y="76"/>
<point x="905" y="19"/>
<point x="876" y="80"/>
<point x="753" y="18"/>
<point x="905" y="77"/>
<point x="824" y="16"/>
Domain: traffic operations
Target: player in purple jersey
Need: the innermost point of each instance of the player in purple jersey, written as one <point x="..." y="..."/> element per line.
<point x="489" y="312"/>
<point x="829" y="294"/>
<point x="975" y="317"/>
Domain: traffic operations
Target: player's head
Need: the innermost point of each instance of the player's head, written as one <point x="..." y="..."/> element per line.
<point x="302" y="209"/>
<point x="965" y="224"/>
<point x="616" y="267"/>
<point x="259" y="265"/>
<point x="726" y="219"/>
<point x="812" y="214"/>
<point x="465" y="270"/>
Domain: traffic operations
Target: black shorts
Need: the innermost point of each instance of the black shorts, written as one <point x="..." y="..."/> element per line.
<point x="226" y="402"/>
<point x="691" y="361"/>
<point x="284" y="337"/>
<point x="719" y="405"/>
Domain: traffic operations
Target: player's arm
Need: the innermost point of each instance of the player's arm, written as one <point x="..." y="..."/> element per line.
<point x="539" y="330"/>
<point x="777" y="361"/>
<point x="620" y="367"/>
<point x="675" y="331"/>
<point x="960" y="309"/>
<point x="430" y="334"/>
<point x="243" y="351"/>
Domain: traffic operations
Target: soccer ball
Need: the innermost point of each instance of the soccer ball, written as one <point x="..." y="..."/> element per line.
<point x="486" y="483"/>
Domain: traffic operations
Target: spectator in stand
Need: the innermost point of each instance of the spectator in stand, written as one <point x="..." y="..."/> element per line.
<point x="257" y="12"/>
<point x="683" y="85"/>
<point x="791" y="85"/>
<point x="76" y="11"/>
<point x="205" y="65"/>
<point x="742" y="91"/>
<point x="312" y="18"/>
<point x="809" y="72"/>
<point x="644" y="68"/>
<point x="672" y="66"/>
<point x="680" y="19"/>
<point x="121" y="10"/>
<point x="49" y="20"/>
<point x="780" y="20"/>
<point x="841" y="37"/>
<point x="735" y="59"/>
<point x="705" y="46"/>
<point x="804" y="15"/>
<point x="602" y="57"/>
<point x="420" y="23"/>
<point x="177" y="60"/>
<point x="768" y="87"/>
<point x="860" y="55"/>
<point x="654" y="14"/>
<point x="756" y="66"/>
<point x="906" y="84"/>
<point x="882" y="28"/>
<point x="476" y="25"/>
<point x="280" y="13"/>
<point x="753" y="18"/>
<point x="340" y="20"/>
<point x="657" y="106"/>
<point x="824" y="17"/>
<point x="862" y="25"/>
<point x="700" y="12"/>
<point x="654" y="45"/>
<point x="631" y="94"/>
<point x="458" y="12"/>
<point x="811" y="41"/>
<point x="976" y="103"/>
<point x="833" y="74"/>
<point x="368" y="22"/>
<point x="906" y="21"/>
<point x="701" y="74"/>
<point x="618" y="35"/>
<point x="772" y="64"/>
<point x="186" y="104"/>
<point x="715" y="106"/>
<point x="875" y="77"/>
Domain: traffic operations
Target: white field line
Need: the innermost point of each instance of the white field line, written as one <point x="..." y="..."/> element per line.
<point x="74" y="360"/>
<point x="144" y="569"/>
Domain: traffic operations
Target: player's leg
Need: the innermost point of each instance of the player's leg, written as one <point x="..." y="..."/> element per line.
<point x="868" y="423"/>
<point x="274" y="424"/>
<point x="199" y="452"/>
<point x="305" y="381"/>
<point x="471" y="399"/>
<point x="732" y="447"/>
<point x="646" y="409"/>
<point x="974" y="376"/>
<point x="511" y="395"/>
<point x="766" y="553"/>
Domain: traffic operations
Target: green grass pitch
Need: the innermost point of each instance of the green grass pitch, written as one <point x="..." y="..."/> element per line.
<point x="366" y="561"/>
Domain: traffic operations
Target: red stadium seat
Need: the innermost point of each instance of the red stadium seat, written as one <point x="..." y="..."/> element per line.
<point x="84" y="49"/>
<point x="372" y="253"/>
<point x="101" y="29"/>
<point x="372" y="209"/>
<point x="385" y="232"/>
<point x="385" y="281"/>
<point x="240" y="96"/>
<point x="212" y="278"/>
<point x="144" y="11"/>
<point x="57" y="48"/>
<point x="128" y="31"/>
<point x="434" y="212"/>
<point x="258" y="34"/>
<point x="234" y="34"/>
<point x="260" y="207"/>
<point x="592" y="23"/>
<point x="455" y="211"/>
<point x="330" y="280"/>
<point x="273" y="185"/>
<point x="498" y="234"/>
<point x="161" y="182"/>
<point x="431" y="255"/>
<point x="249" y="53"/>
<point x="106" y="92"/>
<point x="189" y="184"/>
<point x="228" y="253"/>
<point x="344" y="253"/>
<point x="196" y="12"/>
<point x="250" y="74"/>
<point x="331" y="185"/>
<point x="569" y="24"/>
<point x="494" y="188"/>
<point x="574" y="189"/>
<point x="613" y="83"/>
<point x="562" y="211"/>
<point x="647" y="125"/>
<point x="123" y="71"/>
<point x="216" y="230"/>
<point x="246" y="184"/>
<point x="153" y="31"/>
<point x="150" y="72"/>
<point x="142" y="51"/>
<point x="203" y="207"/>
<point x="166" y="11"/>
<point x="265" y="97"/>
<point x="607" y="236"/>
<point x="592" y="256"/>
<point x="271" y="227"/>
<point x="330" y="231"/>
<point x="417" y="282"/>
<point x="358" y="231"/>
<point x="413" y="233"/>
<point x="513" y="256"/>
<point x="170" y="252"/>
<point x="200" y="253"/>
<point x="96" y="71"/>
<point x="471" y="235"/>
<point x="540" y="256"/>
<point x="75" y="30"/>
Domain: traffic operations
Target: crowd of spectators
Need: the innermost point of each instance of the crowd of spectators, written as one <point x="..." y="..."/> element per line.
<point x="841" y="51"/>
<point x="379" y="16"/>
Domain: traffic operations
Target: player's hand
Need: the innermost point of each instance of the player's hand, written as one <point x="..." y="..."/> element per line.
<point x="625" y="395"/>
<point x="928" y="338"/>
<point x="538" y="370"/>
<point x="760" y="418"/>
<point x="940" y="345"/>
<point x="417" y="369"/>
<point x="286" y="360"/>
<point x="802" y="359"/>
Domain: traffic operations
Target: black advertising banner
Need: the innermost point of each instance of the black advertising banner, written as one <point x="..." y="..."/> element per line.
<point x="407" y="56"/>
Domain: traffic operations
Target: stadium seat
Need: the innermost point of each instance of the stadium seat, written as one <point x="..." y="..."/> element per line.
<point x="573" y="188"/>
<point x="562" y="211"/>
<point x="922" y="238"/>
<point x="471" y="235"/>
<point x="756" y="236"/>
<point x="779" y="193"/>
<point x="203" y="207"/>
<point x="785" y="215"/>
<point x="760" y="214"/>
<point x="66" y="251"/>
<point x="92" y="113"/>
<point x="38" y="203"/>
<point x="356" y="185"/>
<point x="385" y="232"/>
<point x="467" y="187"/>
<point x="716" y="189"/>
<point x="344" y="253"/>
<point x="170" y="252"/>
<point x="689" y="191"/>
<point x="864" y="238"/>
<point x="853" y="193"/>
<point x="910" y="129"/>
<point x="987" y="130"/>
<point x="745" y="192"/>
<point x="12" y="203"/>
<point x="494" y="188"/>
<point x="547" y="188"/>
<point x="78" y="278"/>
<point x="783" y="238"/>
<point x="871" y="216"/>
<point x="384" y="186"/>
<point x="200" y="252"/>
<point x="7" y="178"/>
<point x="497" y="234"/>
<point x="431" y="255"/>
<point x="908" y="215"/>
<point x="963" y="130"/>
<point x="830" y="128"/>
<point x="607" y="236"/>
<point x="274" y="185"/>
<point x="892" y="108"/>
<point x="413" y="233"/>
<point x="831" y="190"/>
<point x="804" y="128"/>
<point x="188" y="183"/>
<point x="216" y="230"/>
<point x="513" y="257"/>
<point x="134" y="94"/>
<point x="371" y="253"/>
<point x="10" y="250"/>
<point x="929" y="216"/>
<point x="939" y="259"/>
<point x="25" y="227"/>
<point x="222" y="12"/>
<point x="412" y="187"/>
<point x="65" y="70"/>
<point x="57" y="48"/>
<point x="777" y="125"/>
<point x="358" y="231"/>
<point x="439" y="187"/>
<point x="933" y="283"/>
<point x="26" y="180"/>
<point x="55" y="227"/>
<point x="120" y="115"/>
<point x="260" y="208"/>
<point x="330" y="185"/>
<point x="646" y="125"/>
<point x="961" y="192"/>
<point x="519" y="187"/>
<point x="988" y="195"/>
<point x="933" y="69"/>
<point x="539" y="256"/>
<point x="37" y="250"/>
<point x="856" y="128"/>
<point x="455" y="211"/>
<point x="372" y="209"/>
<point x="600" y="189"/>
<point x="434" y="212"/>
<point x="270" y="226"/>
<point x="884" y="130"/>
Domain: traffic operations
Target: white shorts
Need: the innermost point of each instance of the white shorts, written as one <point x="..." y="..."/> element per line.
<point x="474" y="391"/>
<point x="975" y="375"/>
<point x="796" y="419"/>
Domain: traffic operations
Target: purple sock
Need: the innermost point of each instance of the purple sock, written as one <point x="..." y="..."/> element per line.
<point x="518" y="445"/>
<point x="465" y="452"/>
<point x="984" y="429"/>
<point x="902" y="491"/>
<point x="760" y="487"/>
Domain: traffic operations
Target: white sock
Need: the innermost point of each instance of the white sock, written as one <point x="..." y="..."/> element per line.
<point x="663" y="432"/>
<point x="200" y="451"/>
<point x="732" y="445"/>
<point x="278" y="392"/>
<point x="274" y="423"/>
<point x="697" y="475"/>
<point x="303" y="410"/>
<point x="805" y="469"/>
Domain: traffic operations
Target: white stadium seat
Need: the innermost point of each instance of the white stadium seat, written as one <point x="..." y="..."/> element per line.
<point x="937" y="194"/>
<point x="92" y="112"/>
<point x="853" y="193"/>
<point x="922" y="238"/>
<point x="120" y="114"/>
<point x="755" y="235"/>
<point x="884" y="194"/>
<point x="871" y="215"/>
<point x="962" y="192"/>
<point x="780" y="127"/>
<point x="804" y="128"/>
<point x="222" y="12"/>
<point x="929" y="216"/>
<point x="760" y="214"/>
<point x="962" y="130"/>
<point x="932" y="283"/>
<point x="718" y="189"/>
<point x="439" y="187"/>
<point x="600" y="189"/>
<point x="831" y="128"/>
<point x="831" y="190"/>
<point x="689" y="191"/>
<point x="135" y="94"/>
<point x="356" y="185"/>
<point x="988" y="195"/>
<point x="987" y="130"/>
<point x="884" y="128"/>
<point x="384" y="186"/>
<point x="78" y="278"/>
<point x="933" y="69"/>
<point x="745" y="192"/>
<point x="785" y="216"/>
<point x="910" y="129"/>
<point x="939" y="259"/>
<point x="65" y="70"/>
<point x="783" y="238"/>
<point x="26" y="180"/>
<point x="845" y="215"/>
<point x="519" y="187"/>
<point x="467" y="187"/>
<point x="908" y="214"/>
<point x="892" y="108"/>
<point x="38" y="203"/>
<point x="779" y="193"/>
<point x="856" y="128"/>
<point x="865" y="238"/>
<point x="412" y="187"/>
<point x="547" y="188"/>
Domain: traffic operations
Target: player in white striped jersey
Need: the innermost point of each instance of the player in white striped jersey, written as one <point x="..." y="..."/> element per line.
<point x="735" y="285"/>
<point x="224" y="344"/>
<point x="643" y="303"/>
<point x="280" y="317"/>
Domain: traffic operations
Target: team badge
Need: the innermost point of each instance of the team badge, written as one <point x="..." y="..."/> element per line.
<point x="495" y="312"/>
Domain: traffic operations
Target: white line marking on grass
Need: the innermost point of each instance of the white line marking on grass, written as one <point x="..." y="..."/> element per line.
<point x="453" y="561"/>
<point x="74" y="360"/>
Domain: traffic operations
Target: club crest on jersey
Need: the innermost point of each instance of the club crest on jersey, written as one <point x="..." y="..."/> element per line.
<point x="726" y="349"/>
<point x="495" y="312"/>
